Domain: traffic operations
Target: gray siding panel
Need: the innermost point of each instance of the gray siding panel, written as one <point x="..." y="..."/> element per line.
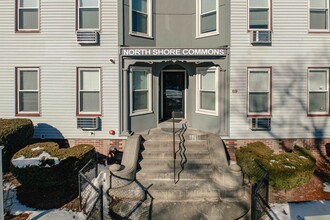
<point x="293" y="50"/>
<point x="57" y="53"/>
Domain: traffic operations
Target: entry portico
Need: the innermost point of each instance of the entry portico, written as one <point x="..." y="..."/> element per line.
<point x="191" y="81"/>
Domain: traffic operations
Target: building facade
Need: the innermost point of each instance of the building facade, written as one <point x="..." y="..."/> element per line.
<point x="245" y="69"/>
<point x="174" y="57"/>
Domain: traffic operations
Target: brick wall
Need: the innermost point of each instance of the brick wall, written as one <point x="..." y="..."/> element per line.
<point x="316" y="146"/>
<point x="101" y="146"/>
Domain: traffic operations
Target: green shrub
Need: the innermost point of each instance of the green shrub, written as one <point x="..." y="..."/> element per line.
<point x="286" y="170"/>
<point x="59" y="170"/>
<point x="14" y="135"/>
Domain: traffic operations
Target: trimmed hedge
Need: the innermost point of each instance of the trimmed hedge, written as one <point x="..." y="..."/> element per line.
<point x="14" y="135"/>
<point x="48" y="173"/>
<point x="286" y="170"/>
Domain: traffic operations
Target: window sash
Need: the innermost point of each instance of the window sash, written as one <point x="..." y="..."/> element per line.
<point x="140" y="21"/>
<point x="207" y="20"/>
<point x="90" y="12"/>
<point x="207" y="91"/>
<point x="89" y="94"/>
<point x="27" y="16"/>
<point x="28" y="97"/>
<point x="140" y="90"/>
<point x="318" y="91"/>
<point x="259" y="99"/>
<point x="263" y="24"/>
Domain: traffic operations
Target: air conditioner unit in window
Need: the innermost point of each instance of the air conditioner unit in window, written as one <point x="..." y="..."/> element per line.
<point x="91" y="123"/>
<point x="87" y="37"/>
<point x="261" y="37"/>
<point x="260" y="123"/>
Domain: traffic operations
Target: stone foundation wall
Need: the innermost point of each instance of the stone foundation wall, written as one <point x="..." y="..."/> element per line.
<point x="316" y="146"/>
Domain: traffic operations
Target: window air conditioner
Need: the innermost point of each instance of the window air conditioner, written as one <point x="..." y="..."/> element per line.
<point x="88" y="123"/>
<point x="87" y="37"/>
<point x="260" y="123"/>
<point x="261" y="37"/>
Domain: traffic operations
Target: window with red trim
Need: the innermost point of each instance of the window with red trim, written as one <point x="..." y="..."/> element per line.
<point x="27" y="15"/>
<point x="259" y="91"/>
<point x="89" y="91"/>
<point x="27" y="98"/>
<point x="318" y="91"/>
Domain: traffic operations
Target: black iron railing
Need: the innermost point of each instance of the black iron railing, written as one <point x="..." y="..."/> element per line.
<point x="181" y="150"/>
<point x="259" y="194"/>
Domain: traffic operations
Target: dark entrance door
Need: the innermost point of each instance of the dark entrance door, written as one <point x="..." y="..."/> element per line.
<point x="173" y="94"/>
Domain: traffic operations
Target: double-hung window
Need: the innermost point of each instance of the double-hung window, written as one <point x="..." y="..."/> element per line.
<point x="318" y="15"/>
<point x="89" y="14"/>
<point x="259" y="91"/>
<point x="207" y="17"/>
<point x="27" y="15"/>
<point x="89" y="91"/>
<point x="27" y="94"/>
<point x="140" y="90"/>
<point x="318" y="91"/>
<point x="141" y="17"/>
<point x="259" y="15"/>
<point x="207" y="90"/>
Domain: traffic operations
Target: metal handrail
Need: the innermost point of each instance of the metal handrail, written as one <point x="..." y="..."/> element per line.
<point x="174" y="154"/>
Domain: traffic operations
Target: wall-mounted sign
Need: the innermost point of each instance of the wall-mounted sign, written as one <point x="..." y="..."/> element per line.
<point x="173" y="52"/>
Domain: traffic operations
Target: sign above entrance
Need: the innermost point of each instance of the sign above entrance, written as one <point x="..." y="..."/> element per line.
<point x="173" y="52"/>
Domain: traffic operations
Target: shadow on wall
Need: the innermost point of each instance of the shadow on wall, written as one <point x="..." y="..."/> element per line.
<point x="44" y="132"/>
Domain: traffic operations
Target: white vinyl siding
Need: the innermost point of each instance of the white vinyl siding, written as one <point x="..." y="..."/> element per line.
<point x="140" y="90"/>
<point x="28" y="15"/>
<point x="259" y="91"/>
<point x="318" y="91"/>
<point x="259" y="14"/>
<point x="318" y="15"/>
<point x="56" y="51"/>
<point x="89" y="91"/>
<point x="207" y="90"/>
<point x="207" y="18"/>
<point x="292" y="53"/>
<point x="89" y="14"/>
<point x="141" y="17"/>
<point x="28" y="90"/>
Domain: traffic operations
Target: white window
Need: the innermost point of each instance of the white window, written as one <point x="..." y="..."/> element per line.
<point x="141" y="17"/>
<point x="207" y="17"/>
<point x="318" y="14"/>
<point x="207" y="90"/>
<point x="259" y="93"/>
<point x="259" y="14"/>
<point x="28" y="15"/>
<point x="89" y="97"/>
<point x="27" y="91"/>
<point x="140" y="90"/>
<point x="89" y="14"/>
<point x="318" y="88"/>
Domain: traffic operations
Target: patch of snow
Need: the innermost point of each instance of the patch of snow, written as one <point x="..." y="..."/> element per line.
<point x="289" y="167"/>
<point x="303" y="157"/>
<point x="287" y="159"/>
<point x="272" y="161"/>
<point x="37" y="148"/>
<point x="326" y="187"/>
<point x="102" y="179"/>
<point x="299" y="210"/>
<point x="22" y="162"/>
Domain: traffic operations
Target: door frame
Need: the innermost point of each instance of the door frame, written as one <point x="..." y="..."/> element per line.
<point x="162" y="91"/>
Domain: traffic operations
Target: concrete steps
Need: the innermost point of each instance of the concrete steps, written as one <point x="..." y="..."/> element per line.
<point x="183" y="190"/>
